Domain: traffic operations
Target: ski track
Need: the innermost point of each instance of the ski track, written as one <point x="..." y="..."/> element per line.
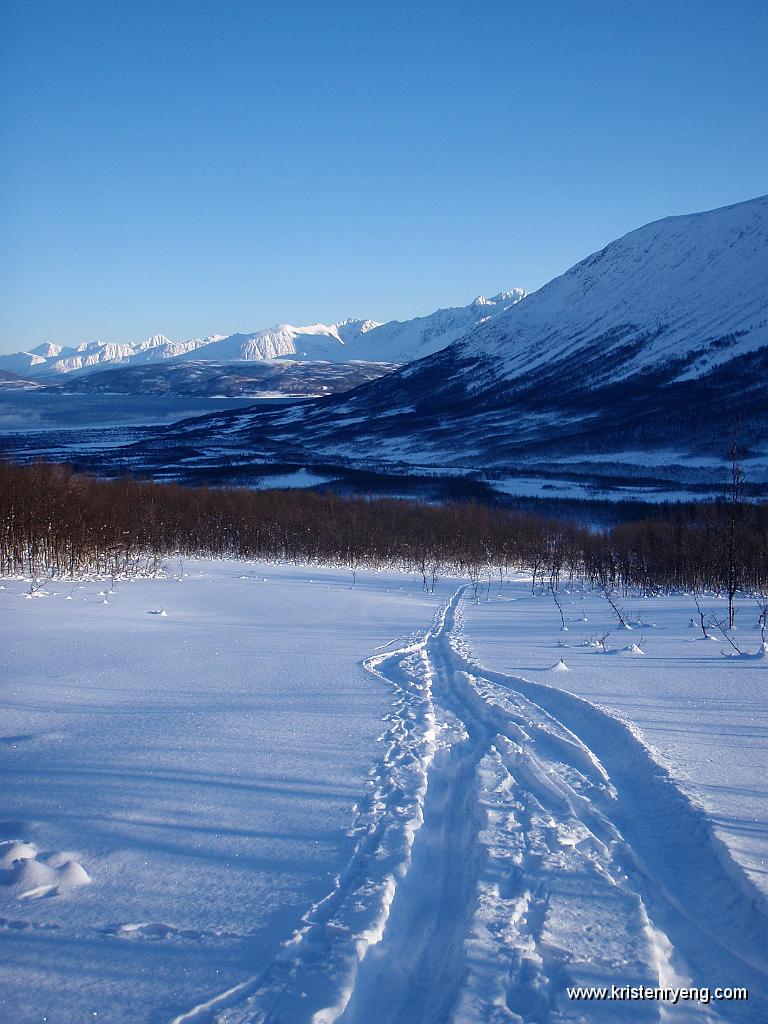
<point x="514" y="840"/>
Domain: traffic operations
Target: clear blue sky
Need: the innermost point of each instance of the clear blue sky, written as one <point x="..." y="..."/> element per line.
<point x="192" y="167"/>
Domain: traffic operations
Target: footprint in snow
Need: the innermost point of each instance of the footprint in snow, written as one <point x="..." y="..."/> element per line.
<point x="159" y="931"/>
<point x="12" y="924"/>
<point x="12" y="741"/>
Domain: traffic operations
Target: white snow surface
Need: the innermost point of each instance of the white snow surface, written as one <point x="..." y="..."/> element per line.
<point x="204" y="766"/>
<point x="206" y="819"/>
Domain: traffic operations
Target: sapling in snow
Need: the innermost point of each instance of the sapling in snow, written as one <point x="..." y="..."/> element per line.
<point x="607" y="594"/>
<point x="706" y="635"/>
<point x="725" y="629"/>
<point x="556" y="599"/>
<point x="762" y="620"/>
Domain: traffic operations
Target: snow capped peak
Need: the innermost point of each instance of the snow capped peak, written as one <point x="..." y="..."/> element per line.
<point x="154" y="341"/>
<point x="46" y="350"/>
<point x="512" y="296"/>
<point x="352" y="328"/>
<point x="363" y="326"/>
<point x="197" y="342"/>
<point x="352" y="321"/>
<point x="506" y="296"/>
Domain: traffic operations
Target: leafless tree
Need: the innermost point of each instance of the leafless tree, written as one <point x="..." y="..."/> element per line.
<point x="725" y="630"/>
<point x="762" y="620"/>
<point x="556" y="599"/>
<point x="735" y="512"/>
<point x="618" y="612"/>
<point x="705" y="634"/>
<point x="54" y="522"/>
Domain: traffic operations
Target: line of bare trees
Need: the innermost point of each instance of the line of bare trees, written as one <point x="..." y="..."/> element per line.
<point x="56" y="522"/>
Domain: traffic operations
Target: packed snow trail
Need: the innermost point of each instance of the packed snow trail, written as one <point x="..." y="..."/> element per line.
<point x="516" y="841"/>
<point x="415" y="972"/>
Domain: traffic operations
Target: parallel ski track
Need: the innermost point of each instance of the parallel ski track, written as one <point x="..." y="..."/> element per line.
<point x="491" y="792"/>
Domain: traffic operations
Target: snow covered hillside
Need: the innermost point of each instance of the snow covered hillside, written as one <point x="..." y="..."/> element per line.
<point x="403" y="341"/>
<point x="631" y="373"/>
<point x="349" y="340"/>
<point x="687" y="292"/>
<point x="205" y="818"/>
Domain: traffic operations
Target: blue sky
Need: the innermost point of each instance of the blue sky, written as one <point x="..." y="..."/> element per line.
<point x="193" y="167"/>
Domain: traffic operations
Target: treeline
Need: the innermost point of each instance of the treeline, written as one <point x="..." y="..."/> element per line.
<point x="56" y="522"/>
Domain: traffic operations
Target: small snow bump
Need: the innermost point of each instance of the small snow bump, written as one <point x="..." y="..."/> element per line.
<point x="73" y="875"/>
<point x="16" y="851"/>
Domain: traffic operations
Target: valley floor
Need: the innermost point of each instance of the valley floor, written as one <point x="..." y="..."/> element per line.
<point x="249" y="793"/>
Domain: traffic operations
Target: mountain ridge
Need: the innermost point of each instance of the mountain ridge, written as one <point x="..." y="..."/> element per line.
<point x="352" y="339"/>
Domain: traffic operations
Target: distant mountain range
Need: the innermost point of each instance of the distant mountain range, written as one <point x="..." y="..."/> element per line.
<point x="351" y="341"/>
<point x="632" y="373"/>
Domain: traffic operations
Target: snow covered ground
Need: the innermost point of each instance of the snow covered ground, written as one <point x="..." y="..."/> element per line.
<point x="202" y="766"/>
<point x="213" y="824"/>
<point x="679" y="737"/>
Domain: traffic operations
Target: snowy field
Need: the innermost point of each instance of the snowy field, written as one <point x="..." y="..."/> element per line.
<point x="202" y="766"/>
<point x="290" y="799"/>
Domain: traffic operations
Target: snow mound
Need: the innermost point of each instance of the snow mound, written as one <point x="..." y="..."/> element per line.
<point x="12" y="852"/>
<point x="32" y="877"/>
<point x="72" y="875"/>
<point x="761" y="654"/>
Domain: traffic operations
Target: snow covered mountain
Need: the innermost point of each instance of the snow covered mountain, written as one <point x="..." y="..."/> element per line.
<point x="403" y="341"/>
<point x="349" y="340"/>
<point x="643" y="361"/>
<point x="318" y="341"/>
<point x="49" y="359"/>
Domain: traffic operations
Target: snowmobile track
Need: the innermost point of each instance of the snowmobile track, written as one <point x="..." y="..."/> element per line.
<point x="515" y="840"/>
